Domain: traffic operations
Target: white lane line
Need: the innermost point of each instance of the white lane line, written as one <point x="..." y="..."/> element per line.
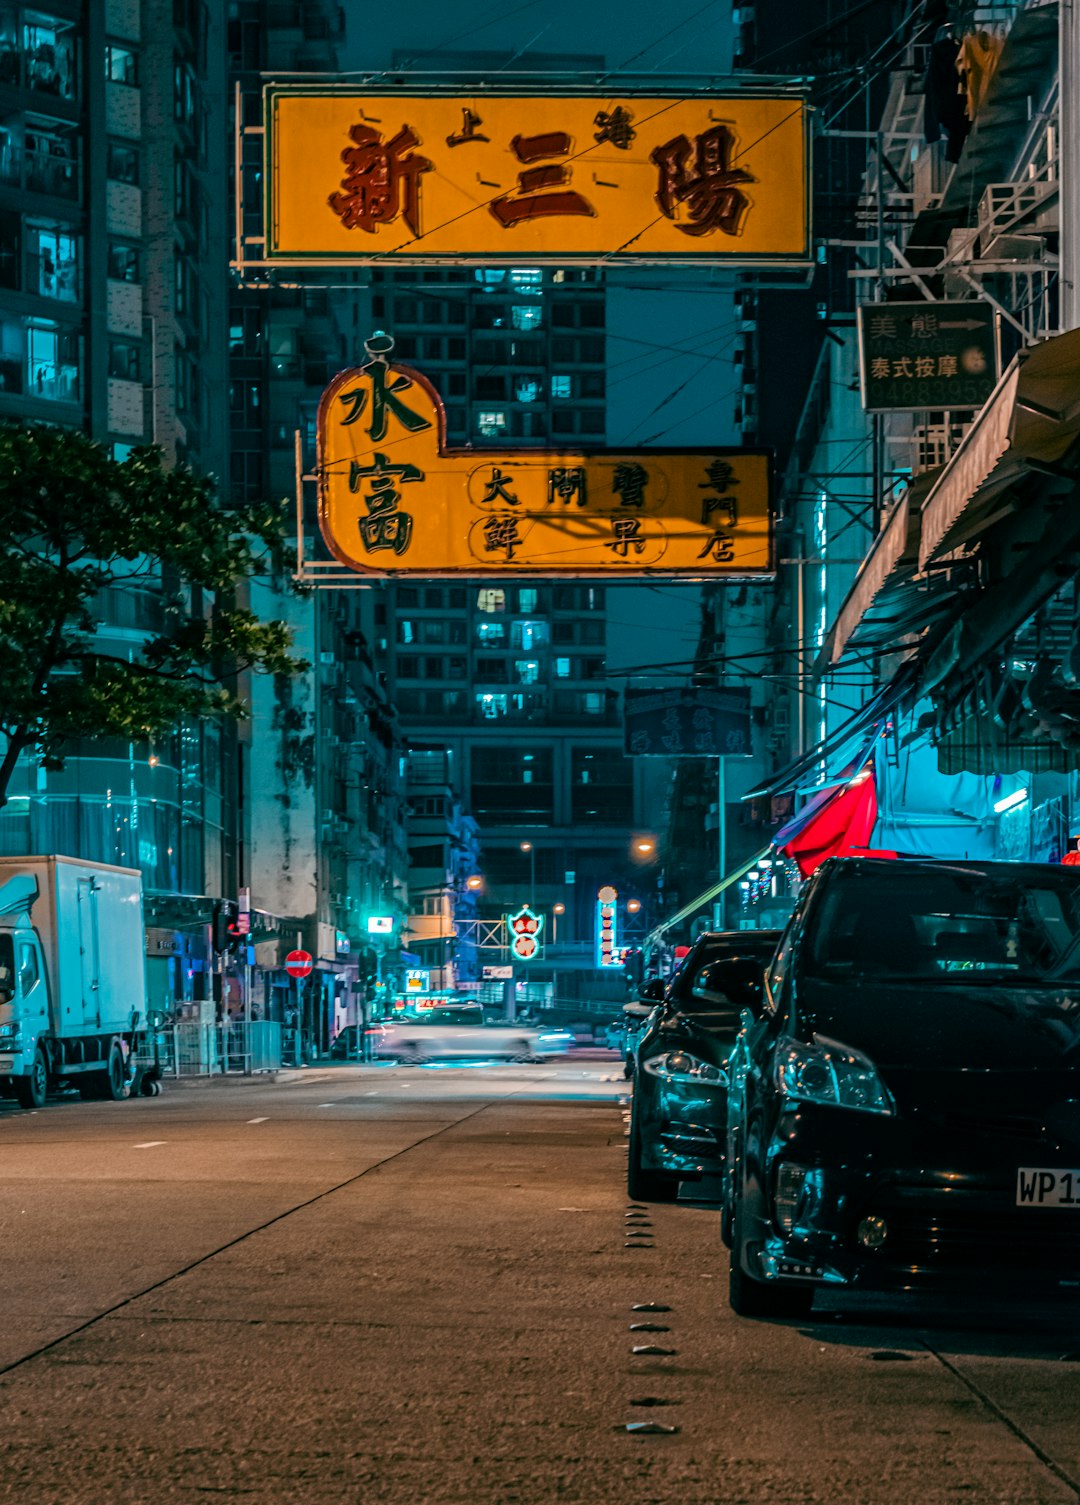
<point x="326" y="1105"/>
<point x="151" y="1144"/>
<point x="258" y="1120"/>
<point x="373" y="1093"/>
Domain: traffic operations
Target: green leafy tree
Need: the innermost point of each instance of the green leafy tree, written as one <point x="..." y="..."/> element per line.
<point x="75" y="523"/>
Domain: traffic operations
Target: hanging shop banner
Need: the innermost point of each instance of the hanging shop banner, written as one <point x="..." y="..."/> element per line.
<point x="927" y="355"/>
<point x="687" y="723"/>
<point x="394" y="500"/>
<point x="356" y="178"/>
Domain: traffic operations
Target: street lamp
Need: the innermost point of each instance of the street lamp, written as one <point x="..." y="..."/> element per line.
<point x="475" y="883"/>
<point x="556" y="910"/>
<point x="633" y="905"/>
<point x="527" y="846"/>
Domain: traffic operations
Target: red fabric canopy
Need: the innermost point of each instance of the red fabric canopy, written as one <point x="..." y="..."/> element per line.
<point x="840" y="823"/>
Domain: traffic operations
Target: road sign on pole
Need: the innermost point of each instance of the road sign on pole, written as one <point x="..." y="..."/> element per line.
<point x="298" y="963"/>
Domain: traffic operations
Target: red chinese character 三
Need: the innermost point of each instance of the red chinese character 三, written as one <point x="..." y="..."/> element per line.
<point x="541" y="191"/>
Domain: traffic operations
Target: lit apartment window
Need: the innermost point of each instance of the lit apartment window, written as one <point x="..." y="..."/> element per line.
<point x="562" y="668"/>
<point x="527" y="277"/>
<point x="490" y="599"/>
<point x="491" y="423"/>
<point x="490" y="633"/>
<point x="52" y="362"/>
<point x="562" y="386"/>
<point x="527" y="598"/>
<point x="526" y="389"/>
<point x="528" y="635"/>
<point x="121" y="65"/>
<point x="490" y="706"/>
<point x="526" y="315"/>
<point x="527" y="670"/>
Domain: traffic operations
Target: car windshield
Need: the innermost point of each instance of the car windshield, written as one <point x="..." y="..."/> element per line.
<point x="681" y="990"/>
<point x="949" y="924"/>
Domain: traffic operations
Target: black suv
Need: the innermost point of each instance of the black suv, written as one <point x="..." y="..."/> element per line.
<point x="904" y="1106"/>
<point x="678" y="1117"/>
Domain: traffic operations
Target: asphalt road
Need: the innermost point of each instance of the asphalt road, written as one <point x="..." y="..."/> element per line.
<point x="388" y="1286"/>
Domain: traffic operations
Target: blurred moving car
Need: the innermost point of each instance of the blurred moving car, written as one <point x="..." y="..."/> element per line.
<point x="905" y="1095"/>
<point x="678" y="1115"/>
<point x="456" y="1033"/>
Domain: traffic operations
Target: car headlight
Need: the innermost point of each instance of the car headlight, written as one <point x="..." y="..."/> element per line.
<point x="831" y="1073"/>
<point x="681" y="1066"/>
<point x="9" y="1037"/>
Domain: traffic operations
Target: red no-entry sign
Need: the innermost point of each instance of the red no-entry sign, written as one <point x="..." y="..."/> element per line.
<point x="298" y="963"/>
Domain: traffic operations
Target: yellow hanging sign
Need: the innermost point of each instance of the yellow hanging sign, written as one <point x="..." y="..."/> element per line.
<point x="505" y="179"/>
<point x="395" y="500"/>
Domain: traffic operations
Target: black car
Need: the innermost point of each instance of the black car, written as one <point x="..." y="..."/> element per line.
<point x="904" y="1106"/>
<point x="678" y="1115"/>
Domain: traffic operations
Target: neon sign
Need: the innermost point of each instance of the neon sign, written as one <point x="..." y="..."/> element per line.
<point x="607" y="951"/>
<point x="525" y="928"/>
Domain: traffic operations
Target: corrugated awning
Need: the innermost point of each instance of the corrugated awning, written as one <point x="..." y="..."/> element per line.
<point x="893" y="555"/>
<point x="1029" y="423"/>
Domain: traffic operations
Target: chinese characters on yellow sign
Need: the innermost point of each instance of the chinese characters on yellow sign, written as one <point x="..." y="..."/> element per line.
<point x="370" y="177"/>
<point x="394" y="500"/>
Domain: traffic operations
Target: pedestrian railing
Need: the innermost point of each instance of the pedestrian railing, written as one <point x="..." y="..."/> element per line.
<point x="189" y="1049"/>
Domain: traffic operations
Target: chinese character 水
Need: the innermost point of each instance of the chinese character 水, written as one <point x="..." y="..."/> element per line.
<point x="628" y="484"/>
<point x="496" y="487"/>
<point x="614" y="126"/>
<point x="710" y="189"/>
<point x="381" y="181"/>
<point x="502" y="533"/>
<point x="627" y="532"/>
<point x="541" y="190"/>
<point x="567" y="484"/>
<point x="384" y="398"/>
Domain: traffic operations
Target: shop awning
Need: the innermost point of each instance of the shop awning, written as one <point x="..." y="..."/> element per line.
<point x="859" y="732"/>
<point x="1028" y="424"/>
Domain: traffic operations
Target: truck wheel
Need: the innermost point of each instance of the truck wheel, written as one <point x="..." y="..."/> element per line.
<point x="117" y="1086"/>
<point x="30" y="1090"/>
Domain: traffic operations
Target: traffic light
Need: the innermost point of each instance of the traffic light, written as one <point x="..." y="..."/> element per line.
<point x="224" y="934"/>
<point x="368" y="963"/>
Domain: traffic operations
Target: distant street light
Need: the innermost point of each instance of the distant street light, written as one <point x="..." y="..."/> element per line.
<point x="527" y="846"/>
<point x="556" y="911"/>
<point x="633" y="905"/>
<point x="475" y="883"/>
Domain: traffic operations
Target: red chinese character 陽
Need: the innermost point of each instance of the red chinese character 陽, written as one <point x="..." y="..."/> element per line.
<point x="709" y="190"/>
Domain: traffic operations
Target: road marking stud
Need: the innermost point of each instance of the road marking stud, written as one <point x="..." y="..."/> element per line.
<point x="258" y="1120"/>
<point x="151" y="1144"/>
<point x="653" y="1350"/>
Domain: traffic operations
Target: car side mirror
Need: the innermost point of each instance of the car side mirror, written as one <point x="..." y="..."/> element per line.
<point x="652" y="991"/>
<point x="736" y="980"/>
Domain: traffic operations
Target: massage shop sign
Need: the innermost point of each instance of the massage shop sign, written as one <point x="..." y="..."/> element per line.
<point x="357" y="178"/>
<point x="394" y="499"/>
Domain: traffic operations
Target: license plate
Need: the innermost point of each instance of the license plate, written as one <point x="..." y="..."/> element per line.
<point x="1036" y="1187"/>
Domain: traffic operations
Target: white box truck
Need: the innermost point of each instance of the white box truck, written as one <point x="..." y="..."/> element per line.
<point x="72" y="978"/>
